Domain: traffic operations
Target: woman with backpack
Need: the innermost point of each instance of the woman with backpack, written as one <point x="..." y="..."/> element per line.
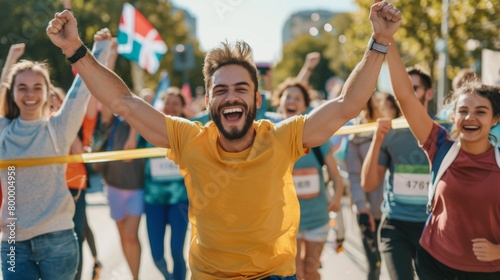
<point x="461" y="239"/>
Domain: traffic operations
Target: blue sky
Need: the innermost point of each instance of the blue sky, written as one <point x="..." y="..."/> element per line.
<point x="258" y="22"/>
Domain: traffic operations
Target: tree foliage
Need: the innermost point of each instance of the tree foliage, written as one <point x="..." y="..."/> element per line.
<point x="421" y="29"/>
<point x="337" y="42"/>
<point x="294" y="54"/>
<point x="26" y="21"/>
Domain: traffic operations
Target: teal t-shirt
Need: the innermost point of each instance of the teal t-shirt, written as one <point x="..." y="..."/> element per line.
<point x="407" y="180"/>
<point x="311" y="189"/>
<point x="164" y="183"/>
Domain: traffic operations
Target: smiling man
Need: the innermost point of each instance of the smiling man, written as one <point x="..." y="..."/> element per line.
<point x="233" y="105"/>
<point x="243" y="207"/>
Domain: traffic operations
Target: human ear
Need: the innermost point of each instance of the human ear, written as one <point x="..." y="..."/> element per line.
<point x="495" y="121"/>
<point x="258" y="99"/>
<point x="429" y="94"/>
<point x="207" y="100"/>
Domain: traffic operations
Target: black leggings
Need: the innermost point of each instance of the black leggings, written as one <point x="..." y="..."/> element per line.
<point x="429" y="268"/>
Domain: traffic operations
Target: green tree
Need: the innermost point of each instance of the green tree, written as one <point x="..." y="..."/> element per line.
<point x="29" y="19"/>
<point x="294" y="54"/>
<point x="337" y="42"/>
<point x="421" y="29"/>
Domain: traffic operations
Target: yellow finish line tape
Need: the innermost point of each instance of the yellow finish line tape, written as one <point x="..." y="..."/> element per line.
<point x="87" y="158"/>
<point x="157" y="152"/>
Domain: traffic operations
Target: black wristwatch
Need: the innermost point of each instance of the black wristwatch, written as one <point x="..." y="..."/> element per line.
<point x="375" y="46"/>
<point x="80" y="52"/>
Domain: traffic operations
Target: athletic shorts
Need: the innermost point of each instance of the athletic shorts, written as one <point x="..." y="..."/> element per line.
<point x="123" y="203"/>
<point x="315" y="235"/>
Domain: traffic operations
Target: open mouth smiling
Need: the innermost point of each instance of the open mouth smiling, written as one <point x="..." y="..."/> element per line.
<point x="470" y="127"/>
<point x="233" y="114"/>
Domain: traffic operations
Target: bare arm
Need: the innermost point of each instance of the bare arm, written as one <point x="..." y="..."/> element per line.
<point x="106" y="86"/>
<point x="415" y="113"/>
<point x="330" y="116"/>
<point x="333" y="173"/>
<point x="372" y="173"/>
<point x="131" y="142"/>
<point x="312" y="60"/>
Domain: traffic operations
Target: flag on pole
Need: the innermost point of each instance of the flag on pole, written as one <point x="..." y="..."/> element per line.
<point x="490" y="70"/>
<point x="162" y="86"/>
<point x="139" y="41"/>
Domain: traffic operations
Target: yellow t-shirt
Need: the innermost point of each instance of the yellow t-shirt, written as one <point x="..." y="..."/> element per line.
<point x="243" y="208"/>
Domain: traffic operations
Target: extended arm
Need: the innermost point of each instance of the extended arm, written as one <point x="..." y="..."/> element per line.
<point x="333" y="173"/>
<point x="330" y="116"/>
<point x="15" y="52"/>
<point x="312" y="60"/>
<point x="415" y="113"/>
<point x="372" y="173"/>
<point x="106" y="86"/>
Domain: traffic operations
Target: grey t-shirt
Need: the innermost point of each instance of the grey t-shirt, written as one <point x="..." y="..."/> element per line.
<point x="40" y="195"/>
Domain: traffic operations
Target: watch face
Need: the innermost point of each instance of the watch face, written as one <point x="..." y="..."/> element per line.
<point x="378" y="47"/>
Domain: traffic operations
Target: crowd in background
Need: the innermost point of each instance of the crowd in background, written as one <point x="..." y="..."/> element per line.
<point x="390" y="174"/>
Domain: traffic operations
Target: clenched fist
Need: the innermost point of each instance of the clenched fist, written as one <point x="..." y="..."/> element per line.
<point x="63" y="32"/>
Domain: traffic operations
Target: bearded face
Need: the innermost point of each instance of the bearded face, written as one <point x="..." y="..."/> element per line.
<point x="233" y="101"/>
<point x="233" y="112"/>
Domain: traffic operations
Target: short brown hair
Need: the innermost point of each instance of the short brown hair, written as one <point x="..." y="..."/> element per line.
<point x="425" y="78"/>
<point x="238" y="53"/>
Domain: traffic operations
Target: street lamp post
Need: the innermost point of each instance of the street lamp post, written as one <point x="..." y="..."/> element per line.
<point x="442" y="48"/>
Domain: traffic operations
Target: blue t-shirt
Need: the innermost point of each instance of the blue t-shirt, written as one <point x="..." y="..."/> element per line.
<point x="407" y="180"/>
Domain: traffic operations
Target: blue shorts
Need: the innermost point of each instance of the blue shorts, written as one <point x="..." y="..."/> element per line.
<point x="123" y="203"/>
<point x="315" y="235"/>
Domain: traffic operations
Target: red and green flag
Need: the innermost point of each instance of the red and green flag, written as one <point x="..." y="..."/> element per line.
<point x="139" y="41"/>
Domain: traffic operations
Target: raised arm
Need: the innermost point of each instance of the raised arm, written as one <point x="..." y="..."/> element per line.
<point x="415" y="113"/>
<point x="312" y="60"/>
<point x="15" y="52"/>
<point x="105" y="85"/>
<point x="372" y="173"/>
<point x="330" y="116"/>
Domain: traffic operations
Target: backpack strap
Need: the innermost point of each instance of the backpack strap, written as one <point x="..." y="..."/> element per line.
<point x="319" y="155"/>
<point x="497" y="156"/>
<point x="443" y="159"/>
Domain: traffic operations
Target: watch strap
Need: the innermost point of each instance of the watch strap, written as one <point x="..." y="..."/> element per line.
<point x="80" y="52"/>
<point x="375" y="46"/>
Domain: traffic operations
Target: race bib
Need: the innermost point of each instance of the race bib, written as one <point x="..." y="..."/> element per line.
<point x="164" y="169"/>
<point x="306" y="182"/>
<point x="411" y="183"/>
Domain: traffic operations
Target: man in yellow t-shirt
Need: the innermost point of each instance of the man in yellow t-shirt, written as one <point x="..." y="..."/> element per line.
<point x="243" y="206"/>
